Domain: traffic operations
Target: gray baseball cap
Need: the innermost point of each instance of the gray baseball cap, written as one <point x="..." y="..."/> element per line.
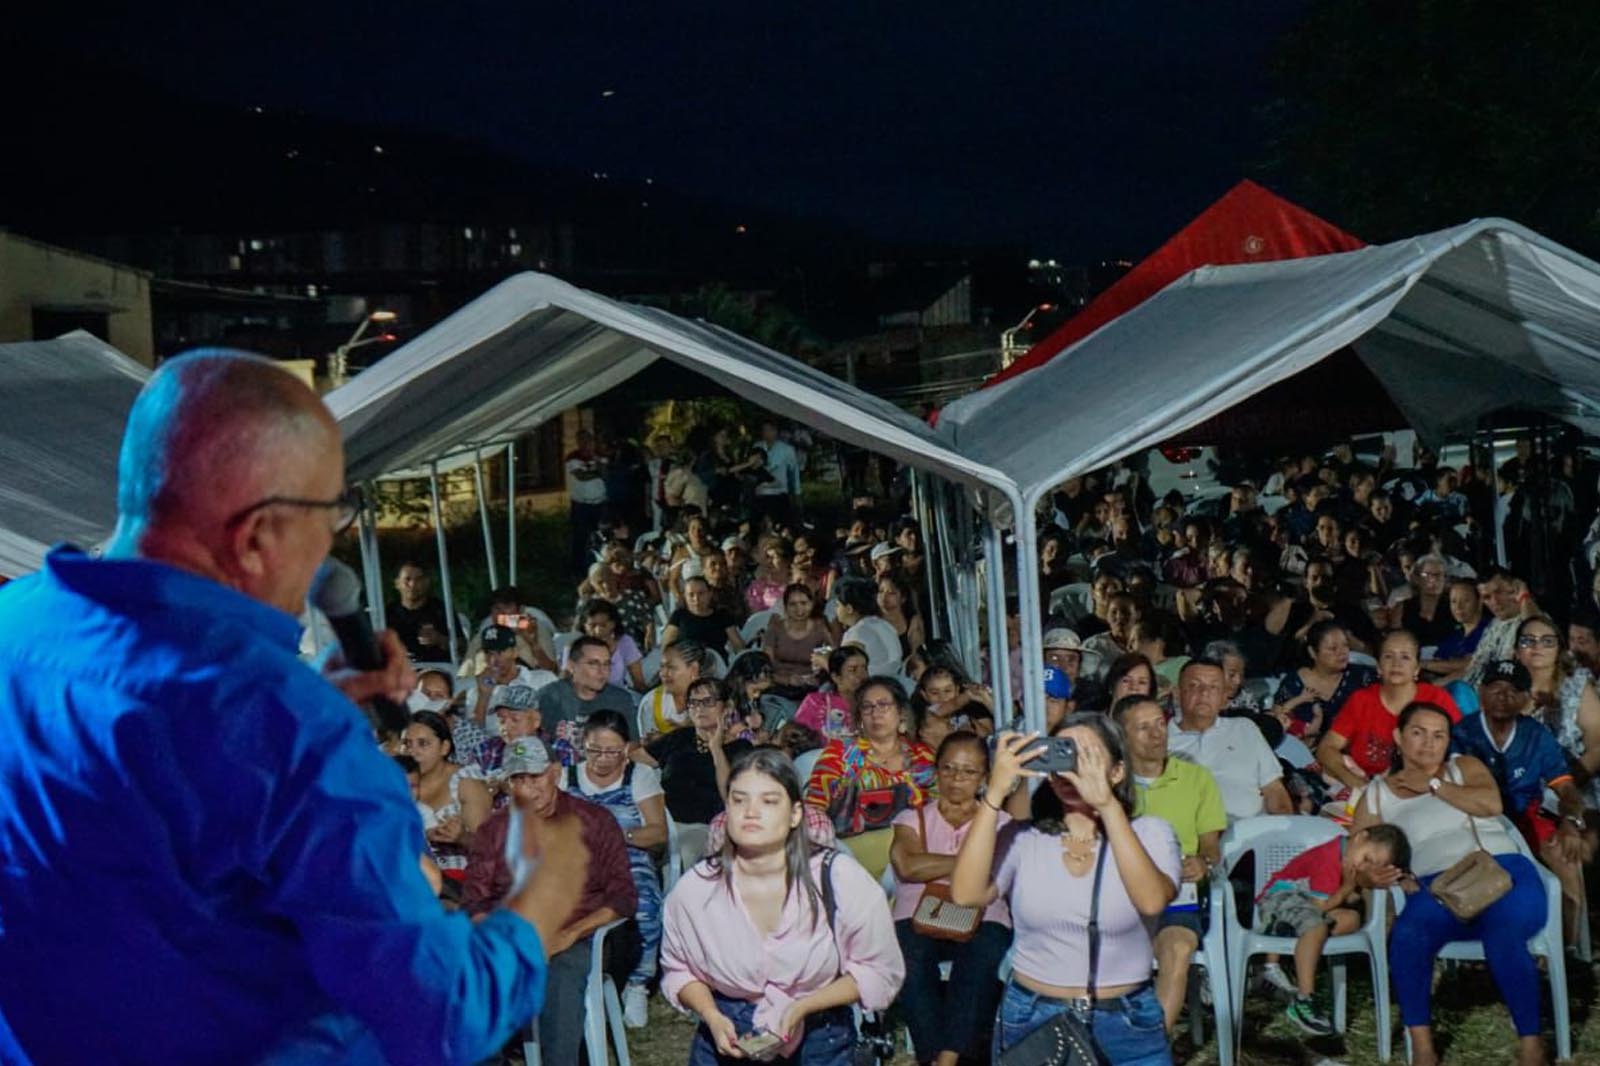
<point x="526" y="755"/>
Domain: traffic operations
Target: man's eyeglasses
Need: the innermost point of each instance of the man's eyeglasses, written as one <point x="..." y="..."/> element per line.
<point x="701" y="703"/>
<point x="344" y="508"/>
<point x="1543" y="640"/>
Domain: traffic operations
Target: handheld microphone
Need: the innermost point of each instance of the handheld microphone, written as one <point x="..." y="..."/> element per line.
<point x="336" y="592"/>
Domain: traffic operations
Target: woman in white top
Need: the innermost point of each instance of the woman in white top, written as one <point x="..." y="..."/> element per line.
<point x="1447" y="807"/>
<point x="771" y="938"/>
<point x="452" y="800"/>
<point x="632" y="793"/>
<point x="865" y="627"/>
<point x="662" y="709"/>
<point x="1564" y="695"/>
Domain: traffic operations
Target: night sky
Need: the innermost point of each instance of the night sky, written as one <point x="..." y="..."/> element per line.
<point x="1073" y="128"/>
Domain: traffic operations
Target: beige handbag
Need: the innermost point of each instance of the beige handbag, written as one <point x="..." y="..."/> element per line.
<point x="1470" y="886"/>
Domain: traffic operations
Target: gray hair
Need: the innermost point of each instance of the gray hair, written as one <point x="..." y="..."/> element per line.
<point x="1221" y="650"/>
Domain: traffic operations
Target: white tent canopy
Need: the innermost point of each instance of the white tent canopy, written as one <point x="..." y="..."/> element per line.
<point x="1455" y="325"/>
<point x="534" y="346"/>
<point x="66" y="403"/>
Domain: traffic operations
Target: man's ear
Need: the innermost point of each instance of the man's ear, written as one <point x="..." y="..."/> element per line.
<point x="248" y="547"/>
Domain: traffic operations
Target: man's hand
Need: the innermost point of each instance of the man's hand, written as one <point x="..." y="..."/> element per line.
<point x="1194" y="868"/>
<point x="394" y="679"/>
<point x="549" y="893"/>
<point x="1568" y="842"/>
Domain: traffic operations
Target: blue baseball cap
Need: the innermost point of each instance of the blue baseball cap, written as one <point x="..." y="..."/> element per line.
<point x="1057" y="685"/>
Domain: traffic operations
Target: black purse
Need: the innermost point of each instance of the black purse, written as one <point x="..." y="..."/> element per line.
<point x="1068" y="1038"/>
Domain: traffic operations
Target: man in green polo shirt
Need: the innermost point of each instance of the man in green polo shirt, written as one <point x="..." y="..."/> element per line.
<point x="1186" y="796"/>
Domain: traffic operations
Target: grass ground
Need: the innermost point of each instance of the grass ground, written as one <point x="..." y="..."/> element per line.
<point x="1473" y="1027"/>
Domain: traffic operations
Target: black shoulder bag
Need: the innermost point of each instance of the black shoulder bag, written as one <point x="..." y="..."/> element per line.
<point x="1068" y="1038"/>
<point x="873" y="1044"/>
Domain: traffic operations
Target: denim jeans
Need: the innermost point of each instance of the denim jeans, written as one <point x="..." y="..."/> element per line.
<point x="1133" y="1033"/>
<point x="829" y="1038"/>
<point x="951" y="1015"/>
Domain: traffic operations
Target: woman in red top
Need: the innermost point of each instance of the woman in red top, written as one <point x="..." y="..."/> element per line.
<point x="1360" y="743"/>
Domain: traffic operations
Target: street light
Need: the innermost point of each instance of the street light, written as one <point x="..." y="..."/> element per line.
<point x="339" y="361"/>
<point x="1009" y="348"/>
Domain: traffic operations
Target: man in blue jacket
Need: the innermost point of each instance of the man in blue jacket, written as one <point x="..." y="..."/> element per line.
<point x="206" y="857"/>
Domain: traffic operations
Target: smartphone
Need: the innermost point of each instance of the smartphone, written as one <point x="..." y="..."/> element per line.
<point x="513" y="621"/>
<point x="760" y="1044"/>
<point x="1060" y="755"/>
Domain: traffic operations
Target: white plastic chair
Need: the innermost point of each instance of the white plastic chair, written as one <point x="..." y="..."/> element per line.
<point x="1213" y="959"/>
<point x="563" y="641"/>
<point x="651" y="665"/>
<point x="1547" y="942"/>
<point x="756" y="625"/>
<point x="1073" y="600"/>
<point x="1276" y="839"/>
<point x="674" y="865"/>
<point x="601" y="1005"/>
<point x="1361" y="658"/>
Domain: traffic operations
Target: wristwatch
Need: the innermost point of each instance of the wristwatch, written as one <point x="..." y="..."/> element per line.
<point x="1433" y="784"/>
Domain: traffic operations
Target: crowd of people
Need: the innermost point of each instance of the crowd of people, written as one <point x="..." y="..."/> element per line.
<point x="752" y="715"/>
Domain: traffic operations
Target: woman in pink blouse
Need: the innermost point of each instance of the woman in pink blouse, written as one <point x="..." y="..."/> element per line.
<point x="1047" y="871"/>
<point x="771" y="937"/>
<point x="947" y="1019"/>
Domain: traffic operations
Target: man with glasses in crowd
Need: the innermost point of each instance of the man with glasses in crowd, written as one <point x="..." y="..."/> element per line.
<point x="565" y="704"/>
<point x="198" y="821"/>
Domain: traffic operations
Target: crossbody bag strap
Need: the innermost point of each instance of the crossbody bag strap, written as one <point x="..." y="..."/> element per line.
<point x="1453" y="772"/>
<point x="1094" y="920"/>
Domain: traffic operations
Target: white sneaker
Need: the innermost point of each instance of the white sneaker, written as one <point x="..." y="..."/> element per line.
<point x="1273" y="977"/>
<point x="635" y="1006"/>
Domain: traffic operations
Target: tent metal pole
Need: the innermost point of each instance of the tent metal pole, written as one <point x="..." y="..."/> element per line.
<point x="483" y="517"/>
<point x="444" y="560"/>
<point x="994" y="579"/>
<point x="1028" y="606"/>
<point x="371" y="563"/>
<point x="511" y="513"/>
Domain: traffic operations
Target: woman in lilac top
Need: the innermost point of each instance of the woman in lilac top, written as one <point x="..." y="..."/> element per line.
<point x="750" y="944"/>
<point x="1045" y="870"/>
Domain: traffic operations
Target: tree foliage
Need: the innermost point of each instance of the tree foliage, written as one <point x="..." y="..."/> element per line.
<point x="1395" y="117"/>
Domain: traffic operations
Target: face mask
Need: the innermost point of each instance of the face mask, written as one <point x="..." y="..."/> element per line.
<point x="418" y="702"/>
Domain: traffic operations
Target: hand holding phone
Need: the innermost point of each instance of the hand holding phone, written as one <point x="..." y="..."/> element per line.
<point x="759" y="1045"/>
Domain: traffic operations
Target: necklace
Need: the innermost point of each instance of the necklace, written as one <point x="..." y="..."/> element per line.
<point x="1085" y="846"/>
<point x="701" y="744"/>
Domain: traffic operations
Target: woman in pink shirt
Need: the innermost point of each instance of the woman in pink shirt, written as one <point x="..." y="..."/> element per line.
<point x="947" y="1019"/>
<point x="1083" y="835"/>
<point x="772" y="937"/>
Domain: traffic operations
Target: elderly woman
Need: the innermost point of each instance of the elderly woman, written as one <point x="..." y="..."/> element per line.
<point x="1446" y="805"/>
<point x="1310" y="698"/>
<point x="1360" y="744"/>
<point x="1083" y="837"/>
<point x="1426" y="611"/>
<point x="631" y="791"/>
<point x="947" y="1019"/>
<point x="694" y="763"/>
<point x="864" y="782"/>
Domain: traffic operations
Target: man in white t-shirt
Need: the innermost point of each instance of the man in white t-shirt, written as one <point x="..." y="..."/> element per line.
<point x="1233" y="749"/>
<point x="777" y="492"/>
<point x="586" y="491"/>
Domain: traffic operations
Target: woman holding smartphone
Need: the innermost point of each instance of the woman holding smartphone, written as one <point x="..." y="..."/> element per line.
<point x="822" y="923"/>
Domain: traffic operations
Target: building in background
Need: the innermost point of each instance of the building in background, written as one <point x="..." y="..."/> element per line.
<point x="46" y="291"/>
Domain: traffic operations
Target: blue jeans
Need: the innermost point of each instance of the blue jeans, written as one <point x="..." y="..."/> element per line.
<point x="829" y="1038"/>
<point x="1133" y="1033"/>
<point x="1425" y="926"/>
<point x="950" y="1015"/>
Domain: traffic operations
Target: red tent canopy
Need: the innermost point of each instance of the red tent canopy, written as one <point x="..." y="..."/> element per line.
<point x="1248" y="225"/>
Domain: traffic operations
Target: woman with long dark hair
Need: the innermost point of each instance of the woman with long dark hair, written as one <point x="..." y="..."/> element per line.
<point x="452" y="802"/>
<point x="1083" y="837"/>
<point x="825" y="938"/>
